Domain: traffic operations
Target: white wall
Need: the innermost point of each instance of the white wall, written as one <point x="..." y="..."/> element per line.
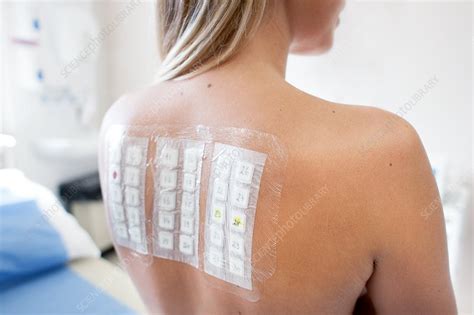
<point x="132" y="51"/>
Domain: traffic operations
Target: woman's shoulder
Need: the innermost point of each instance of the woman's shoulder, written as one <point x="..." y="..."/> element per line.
<point x="361" y="133"/>
<point x="368" y="155"/>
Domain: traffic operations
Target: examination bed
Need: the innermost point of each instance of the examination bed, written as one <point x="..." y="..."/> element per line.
<point x="48" y="263"/>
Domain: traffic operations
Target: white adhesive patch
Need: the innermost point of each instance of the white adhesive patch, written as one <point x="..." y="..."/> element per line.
<point x="234" y="184"/>
<point x="126" y="190"/>
<point x="178" y="164"/>
<point x="166" y="240"/>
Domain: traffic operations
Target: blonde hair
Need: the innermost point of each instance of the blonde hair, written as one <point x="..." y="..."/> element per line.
<point x="197" y="35"/>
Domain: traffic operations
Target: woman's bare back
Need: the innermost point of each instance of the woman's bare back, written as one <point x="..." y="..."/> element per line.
<point x="368" y="180"/>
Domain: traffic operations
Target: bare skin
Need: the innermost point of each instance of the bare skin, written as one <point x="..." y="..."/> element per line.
<point x="369" y="235"/>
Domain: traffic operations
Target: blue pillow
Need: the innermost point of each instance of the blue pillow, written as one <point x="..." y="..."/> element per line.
<point x="28" y="243"/>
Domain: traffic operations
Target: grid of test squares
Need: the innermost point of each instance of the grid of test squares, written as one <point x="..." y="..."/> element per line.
<point x="231" y="205"/>
<point x="126" y="191"/>
<point x="178" y="164"/>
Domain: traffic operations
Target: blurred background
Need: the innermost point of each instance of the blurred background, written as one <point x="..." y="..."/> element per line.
<point x="64" y="63"/>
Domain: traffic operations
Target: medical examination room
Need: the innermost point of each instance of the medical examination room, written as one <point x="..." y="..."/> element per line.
<point x="236" y="157"/>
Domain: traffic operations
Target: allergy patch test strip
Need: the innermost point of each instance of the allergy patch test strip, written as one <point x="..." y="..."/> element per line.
<point x="126" y="190"/>
<point x="177" y="177"/>
<point x="231" y="204"/>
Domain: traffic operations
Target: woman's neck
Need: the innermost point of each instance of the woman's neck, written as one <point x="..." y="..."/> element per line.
<point x="267" y="50"/>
